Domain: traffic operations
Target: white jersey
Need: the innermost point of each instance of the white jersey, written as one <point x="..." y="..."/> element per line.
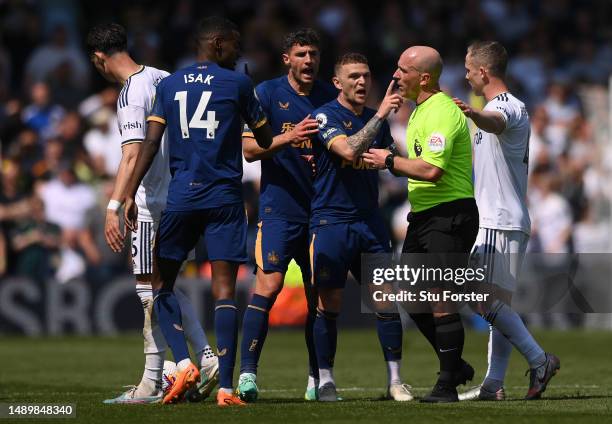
<point x="500" y="168"/>
<point x="133" y="107"/>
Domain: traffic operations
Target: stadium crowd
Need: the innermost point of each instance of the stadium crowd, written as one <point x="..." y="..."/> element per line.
<point x="59" y="137"/>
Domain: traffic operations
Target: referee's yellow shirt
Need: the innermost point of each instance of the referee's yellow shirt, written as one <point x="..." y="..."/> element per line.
<point x="438" y="133"/>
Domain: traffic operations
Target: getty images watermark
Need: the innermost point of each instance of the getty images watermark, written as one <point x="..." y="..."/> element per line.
<point x="433" y="279"/>
<point x="540" y="283"/>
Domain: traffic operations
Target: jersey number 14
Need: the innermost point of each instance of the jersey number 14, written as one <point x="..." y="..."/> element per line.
<point x="196" y="121"/>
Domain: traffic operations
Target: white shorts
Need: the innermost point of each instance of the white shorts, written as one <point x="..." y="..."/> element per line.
<point x="143" y="241"/>
<point x="501" y="253"/>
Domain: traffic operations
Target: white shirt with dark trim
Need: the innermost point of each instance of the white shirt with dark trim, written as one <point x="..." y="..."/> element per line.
<point x="133" y="107"/>
<point x="501" y="167"/>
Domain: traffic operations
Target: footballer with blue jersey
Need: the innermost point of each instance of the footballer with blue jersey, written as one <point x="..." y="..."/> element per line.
<point x="201" y="107"/>
<point x="345" y="221"/>
<point x="285" y="196"/>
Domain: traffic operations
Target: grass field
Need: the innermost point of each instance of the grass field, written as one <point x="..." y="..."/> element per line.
<point x="85" y="371"/>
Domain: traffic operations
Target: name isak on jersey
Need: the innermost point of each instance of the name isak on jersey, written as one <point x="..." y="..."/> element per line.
<point x="189" y="78"/>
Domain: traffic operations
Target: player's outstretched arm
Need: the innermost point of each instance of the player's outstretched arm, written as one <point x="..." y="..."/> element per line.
<point x="113" y="234"/>
<point x="416" y="169"/>
<point x="148" y="150"/>
<point x="489" y="121"/>
<point x="298" y="135"/>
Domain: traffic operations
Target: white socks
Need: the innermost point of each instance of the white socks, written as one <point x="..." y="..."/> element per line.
<point x="312" y="383"/>
<point x="499" y="352"/>
<point x="154" y="344"/>
<point x="182" y="364"/>
<point x="326" y="376"/>
<point x="393" y="372"/>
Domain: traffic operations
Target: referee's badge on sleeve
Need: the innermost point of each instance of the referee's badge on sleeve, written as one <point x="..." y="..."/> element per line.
<point x="436" y="143"/>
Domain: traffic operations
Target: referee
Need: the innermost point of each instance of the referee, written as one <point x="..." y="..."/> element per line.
<point x="444" y="216"/>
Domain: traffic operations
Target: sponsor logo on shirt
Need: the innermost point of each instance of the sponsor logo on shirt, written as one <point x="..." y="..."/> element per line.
<point x="283" y="106"/>
<point x="436" y="143"/>
<point x="131" y="126"/>
<point x="287" y="126"/>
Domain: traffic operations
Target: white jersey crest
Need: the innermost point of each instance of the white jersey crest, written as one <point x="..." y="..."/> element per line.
<point x="133" y="107"/>
<point x="500" y="168"/>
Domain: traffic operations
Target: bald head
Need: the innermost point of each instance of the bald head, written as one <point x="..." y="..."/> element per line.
<point x="418" y="72"/>
<point x="425" y="59"/>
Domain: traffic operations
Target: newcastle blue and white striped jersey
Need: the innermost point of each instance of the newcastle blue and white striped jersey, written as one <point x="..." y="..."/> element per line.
<point x="133" y="107"/>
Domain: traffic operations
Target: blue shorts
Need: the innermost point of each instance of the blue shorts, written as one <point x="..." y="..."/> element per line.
<point x="278" y="241"/>
<point x="224" y="230"/>
<point x="336" y="249"/>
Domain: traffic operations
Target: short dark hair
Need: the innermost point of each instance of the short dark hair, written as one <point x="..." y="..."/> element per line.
<point x="214" y="25"/>
<point x="490" y="54"/>
<point x="302" y="37"/>
<point x="348" y="58"/>
<point x="109" y="38"/>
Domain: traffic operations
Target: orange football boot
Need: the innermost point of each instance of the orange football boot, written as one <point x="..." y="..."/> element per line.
<point x="185" y="380"/>
<point x="228" y="399"/>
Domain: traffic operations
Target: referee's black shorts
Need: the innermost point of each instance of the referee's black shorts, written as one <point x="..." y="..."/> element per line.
<point x="446" y="228"/>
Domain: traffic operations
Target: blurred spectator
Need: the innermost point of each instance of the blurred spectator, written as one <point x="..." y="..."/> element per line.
<point x="42" y="115"/>
<point x="68" y="204"/>
<point x="563" y="108"/>
<point x="48" y="166"/>
<point x="58" y="61"/>
<point x="551" y="216"/>
<point x="103" y="142"/>
<point x="33" y="240"/>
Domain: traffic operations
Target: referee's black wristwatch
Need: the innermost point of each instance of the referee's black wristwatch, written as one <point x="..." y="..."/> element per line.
<point x="389" y="161"/>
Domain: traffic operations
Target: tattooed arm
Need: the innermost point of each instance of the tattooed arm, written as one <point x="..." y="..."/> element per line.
<point x="352" y="147"/>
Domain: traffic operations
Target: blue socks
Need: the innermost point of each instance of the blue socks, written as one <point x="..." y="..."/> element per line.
<point x="390" y="332"/>
<point x="226" y="330"/>
<point x="254" y="332"/>
<point x="313" y="366"/>
<point x="325" y="333"/>
<point x="168" y="313"/>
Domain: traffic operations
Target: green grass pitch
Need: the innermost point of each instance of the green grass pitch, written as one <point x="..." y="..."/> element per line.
<point x="85" y="371"/>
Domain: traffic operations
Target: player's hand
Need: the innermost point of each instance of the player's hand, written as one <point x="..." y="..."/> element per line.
<point x="376" y="158"/>
<point x="391" y="102"/>
<point x="130" y="214"/>
<point x="114" y="236"/>
<point x="465" y="108"/>
<point x="303" y="131"/>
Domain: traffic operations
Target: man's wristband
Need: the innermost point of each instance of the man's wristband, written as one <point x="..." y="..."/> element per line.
<point x="389" y="161"/>
<point x="113" y="205"/>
